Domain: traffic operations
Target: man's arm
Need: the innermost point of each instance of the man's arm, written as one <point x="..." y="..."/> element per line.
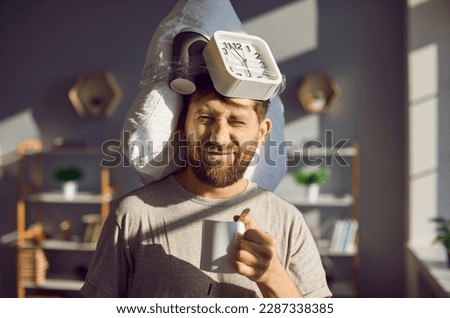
<point x="257" y="259"/>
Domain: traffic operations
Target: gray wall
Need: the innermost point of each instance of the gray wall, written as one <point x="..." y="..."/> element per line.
<point x="46" y="44"/>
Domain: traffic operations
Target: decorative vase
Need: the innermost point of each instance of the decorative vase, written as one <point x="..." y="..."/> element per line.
<point x="318" y="104"/>
<point x="70" y="189"/>
<point x="313" y="192"/>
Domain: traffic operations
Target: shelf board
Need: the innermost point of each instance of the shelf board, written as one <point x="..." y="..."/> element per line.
<point x="49" y="244"/>
<point x="57" y="284"/>
<point x="67" y="151"/>
<point x="52" y="244"/>
<point x="322" y="152"/>
<point x="58" y="197"/>
<point x="324" y="200"/>
<point x="324" y="250"/>
<point x="9" y="238"/>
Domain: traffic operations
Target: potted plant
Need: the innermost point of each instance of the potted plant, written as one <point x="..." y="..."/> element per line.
<point x="443" y="235"/>
<point x="312" y="179"/>
<point x="69" y="177"/>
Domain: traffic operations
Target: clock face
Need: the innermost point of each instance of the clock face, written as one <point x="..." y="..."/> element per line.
<point x="244" y="60"/>
<point x="246" y="57"/>
<point x="242" y="65"/>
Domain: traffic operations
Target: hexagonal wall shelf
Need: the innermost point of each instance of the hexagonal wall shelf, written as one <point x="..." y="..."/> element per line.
<point x="95" y="95"/>
<point x="318" y="93"/>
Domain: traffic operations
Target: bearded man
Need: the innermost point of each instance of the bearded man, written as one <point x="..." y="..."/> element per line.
<point x="151" y="245"/>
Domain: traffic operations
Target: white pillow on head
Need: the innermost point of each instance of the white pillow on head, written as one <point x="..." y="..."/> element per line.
<point x="151" y="121"/>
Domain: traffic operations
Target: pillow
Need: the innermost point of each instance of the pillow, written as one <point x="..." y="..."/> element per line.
<point x="149" y="127"/>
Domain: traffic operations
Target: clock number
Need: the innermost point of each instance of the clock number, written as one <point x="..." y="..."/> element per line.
<point x="261" y="62"/>
<point x="232" y="46"/>
<point x="225" y="51"/>
<point x="248" y="48"/>
<point x="227" y="45"/>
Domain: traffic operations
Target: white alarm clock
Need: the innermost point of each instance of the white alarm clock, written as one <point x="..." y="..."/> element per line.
<point x="241" y="66"/>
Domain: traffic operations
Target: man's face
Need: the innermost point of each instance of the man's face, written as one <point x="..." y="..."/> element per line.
<point x="222" y="138"/>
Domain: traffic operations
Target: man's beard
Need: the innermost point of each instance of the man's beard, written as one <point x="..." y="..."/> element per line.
<point x="219" y="173"/>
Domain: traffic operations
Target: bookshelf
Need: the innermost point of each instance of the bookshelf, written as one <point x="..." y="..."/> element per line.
<point x="35" y="198"/>
<point x="332" y="203"/>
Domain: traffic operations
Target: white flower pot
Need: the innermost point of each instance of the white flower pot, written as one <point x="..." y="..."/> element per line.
<point x="70" y="189"/>
<point x="313" y="192"/>
<point x="318" y="105"/>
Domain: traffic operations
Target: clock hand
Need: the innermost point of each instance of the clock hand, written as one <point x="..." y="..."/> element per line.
<point x="242" y="58"/>
<point x="244" y="61"/>
<point x="246" y="68"/>
<point x="238" y="56"/>
<point x="246" y="65"/>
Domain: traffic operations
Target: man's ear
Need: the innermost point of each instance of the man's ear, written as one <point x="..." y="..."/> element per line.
<point x="264" y="129"/>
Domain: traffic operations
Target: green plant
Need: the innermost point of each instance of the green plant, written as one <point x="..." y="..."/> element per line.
<point x="443" y="229"/>
<point x="306" y="178"/>
<point x="318" y="94"/>
<point x="65" y="174"/>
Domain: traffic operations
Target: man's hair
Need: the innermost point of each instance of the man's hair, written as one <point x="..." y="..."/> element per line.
<point x="204" y="85"/>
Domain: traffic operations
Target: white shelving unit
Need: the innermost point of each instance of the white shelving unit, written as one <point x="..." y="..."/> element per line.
<point x="292" y="192"/>
<point x="32" y="198"/>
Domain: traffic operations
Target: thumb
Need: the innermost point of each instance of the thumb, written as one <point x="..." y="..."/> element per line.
<point x="250" y="223"/>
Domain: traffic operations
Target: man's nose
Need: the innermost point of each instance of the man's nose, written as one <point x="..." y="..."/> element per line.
<point x="220" y="133"/>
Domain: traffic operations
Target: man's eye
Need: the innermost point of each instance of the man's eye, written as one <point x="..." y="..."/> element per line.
<point x="237" y="123"/>
<point x="205" y="118"/>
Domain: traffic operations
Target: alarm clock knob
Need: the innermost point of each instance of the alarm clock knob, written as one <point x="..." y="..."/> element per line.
<point x="182" y="86"/>
<point x="187" y="50"/>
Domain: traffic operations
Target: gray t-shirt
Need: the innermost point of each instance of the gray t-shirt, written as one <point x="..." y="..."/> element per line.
<point x="151" y="246"/>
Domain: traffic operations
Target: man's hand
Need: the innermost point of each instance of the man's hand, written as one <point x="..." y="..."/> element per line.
<point x="257" y="259"/>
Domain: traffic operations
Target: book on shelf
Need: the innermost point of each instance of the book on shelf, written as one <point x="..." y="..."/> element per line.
<point x="92" y="225"/>
<point x="34" y="265"/>
<point x="343" y="239"/>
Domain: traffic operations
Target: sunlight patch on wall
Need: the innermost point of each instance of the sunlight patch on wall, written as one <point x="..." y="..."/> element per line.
<point x="423" y="137"/>
<point x="290" y="30"/>
<point x="423" y="72"/>
<point x="15" y="129"/>
<point x="423" y="143"/>
<point x="423" y="207"/>
<point x="415" y="3"/>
